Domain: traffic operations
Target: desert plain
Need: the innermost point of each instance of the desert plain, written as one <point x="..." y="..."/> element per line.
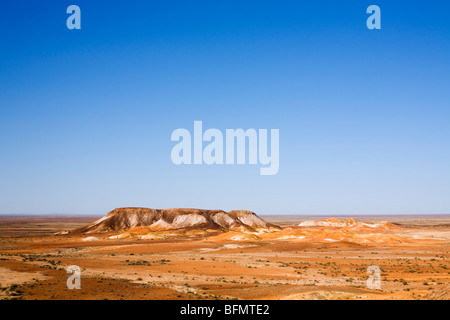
<point x="306" y="258"/>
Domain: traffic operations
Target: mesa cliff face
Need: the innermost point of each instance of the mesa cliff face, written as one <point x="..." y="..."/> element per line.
<point x="121" y="219"/>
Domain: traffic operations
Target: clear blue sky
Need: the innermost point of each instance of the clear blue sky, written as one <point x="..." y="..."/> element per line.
<point x="364" y="115"/>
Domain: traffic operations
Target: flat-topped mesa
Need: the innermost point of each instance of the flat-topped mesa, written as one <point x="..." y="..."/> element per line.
<point x="121" y="219"/>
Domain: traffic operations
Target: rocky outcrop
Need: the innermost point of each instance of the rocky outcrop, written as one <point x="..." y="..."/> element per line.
<point x="350" y="222"/>
<point x="121" y="219"/>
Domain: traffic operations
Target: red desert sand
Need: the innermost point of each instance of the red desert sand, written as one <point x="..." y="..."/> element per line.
<point x="141" y="253"/>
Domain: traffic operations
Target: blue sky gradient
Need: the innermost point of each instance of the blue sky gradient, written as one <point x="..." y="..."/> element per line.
<point x="86" y="115"/>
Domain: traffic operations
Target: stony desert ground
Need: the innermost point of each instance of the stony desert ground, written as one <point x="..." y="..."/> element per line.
<point x="311" y="261"/>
